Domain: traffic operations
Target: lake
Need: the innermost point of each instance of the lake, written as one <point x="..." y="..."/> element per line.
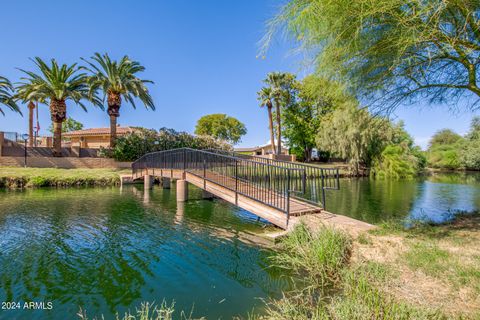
<point x="109" y="249"/>
<point x="434" y="198"/>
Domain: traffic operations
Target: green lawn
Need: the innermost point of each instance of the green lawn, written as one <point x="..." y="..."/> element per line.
<point x="11" y="177"/>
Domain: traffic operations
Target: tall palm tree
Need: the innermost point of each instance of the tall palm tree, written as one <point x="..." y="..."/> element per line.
<point x="117" y="80"/>
<point x="276" y="81"/>
<point x="266" y="97"/>
<point x="56" y="85"/>
<point x="7" y="96"/>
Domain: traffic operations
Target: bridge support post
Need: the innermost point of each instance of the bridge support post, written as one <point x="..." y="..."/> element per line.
<point x="182" y="190"/>
<point x="166" y="183"/>
<point x="148" y="181"/>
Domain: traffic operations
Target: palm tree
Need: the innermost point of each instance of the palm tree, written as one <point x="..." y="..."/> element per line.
<point x="117" y="80"/>
<point x="276" y="82"/>
<point x="266" y="97"/>
<point x="6" y="96"/>
<point x="56" y="85"/>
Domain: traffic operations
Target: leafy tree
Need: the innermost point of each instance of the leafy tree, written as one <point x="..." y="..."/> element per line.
<point x="470" y="155"/>
<point x="221" y="126"/>
<point x="70" y="124"/>
<point x="444" y="150"/>
<point x="266" y="97"/>
<point x="401" y="158"/>
<point x="445" y="156"/>
<point x="353" y="134"/>
<point x="56" y="85"/>
<point x="314" y="98"/>
<point x="117" y="80"/>
<point x="444" y="137"/>
<point x="474" y="133"/>
<point x="394" y="50"/>
<point x="470" y="151"/>
<point x="6" y="96"/>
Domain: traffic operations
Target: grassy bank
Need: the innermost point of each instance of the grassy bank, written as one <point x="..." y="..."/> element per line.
<point x="427" y="272"/>
<point x="13" y="178"/>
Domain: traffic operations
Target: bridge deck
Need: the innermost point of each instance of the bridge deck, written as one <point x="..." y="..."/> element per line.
<point x="246" y="196"/>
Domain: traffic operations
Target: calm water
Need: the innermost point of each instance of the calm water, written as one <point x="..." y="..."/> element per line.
<point x="432" y="198"/>
<point x="109" y="249"/>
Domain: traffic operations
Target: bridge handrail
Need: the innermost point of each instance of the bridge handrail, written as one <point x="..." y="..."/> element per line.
<point x="269" y="184"/>
<point x="319" y="179"/>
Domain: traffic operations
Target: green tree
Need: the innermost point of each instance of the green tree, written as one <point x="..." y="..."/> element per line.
<point x="6" y="96"/>
<point x="221" y="126"/>
<point x="265" y="97"/>
<point x="117" y="80"/>
<point x="394" y="50"/>
<point x="470" y="151"/>
<point x="280" y="84"/>
<point x="70" y="124"/>
<point x="444" y="137"/>
<point x="401" y="158"/>
<point x="444" y="150"/>
<point x="353" y="134"/>
<point x="474" y="133"/>
<point x="56" y="85"/>
<point x="313" y="98"/>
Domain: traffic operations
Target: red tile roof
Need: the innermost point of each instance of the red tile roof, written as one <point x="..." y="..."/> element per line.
<point x="97" y="132"/>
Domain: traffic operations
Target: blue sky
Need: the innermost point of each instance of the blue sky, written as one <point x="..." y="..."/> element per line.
<point x="200" y="54"/>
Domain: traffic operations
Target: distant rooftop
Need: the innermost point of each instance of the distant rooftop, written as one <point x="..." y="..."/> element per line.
<point x="97" y="132"/>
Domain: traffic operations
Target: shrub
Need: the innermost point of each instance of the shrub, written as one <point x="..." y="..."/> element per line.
<point x="398" y="162"/>
<point x="133" y="145"/>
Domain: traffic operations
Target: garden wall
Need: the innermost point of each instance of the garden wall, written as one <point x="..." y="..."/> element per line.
<point x="64" y="163"/>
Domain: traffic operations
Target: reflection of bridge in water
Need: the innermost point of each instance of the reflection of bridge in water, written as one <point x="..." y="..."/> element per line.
<point x="273" y="190"/>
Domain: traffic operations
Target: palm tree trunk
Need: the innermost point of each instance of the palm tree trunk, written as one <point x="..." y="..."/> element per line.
<point x="279" y="129"/>
<point x="58" y="112"/>
<point x="272" y="138"/>
<point x="114" y="101"/>
<point x="113" y="130"/>
<point x="31" y="107"/>
<point x="57" y="138"/>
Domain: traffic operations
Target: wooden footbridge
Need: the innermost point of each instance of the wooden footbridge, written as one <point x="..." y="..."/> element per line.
<point x="273" y="190"/>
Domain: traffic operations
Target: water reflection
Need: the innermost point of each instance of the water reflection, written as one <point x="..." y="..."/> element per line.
<point x="432" y="198"/>
<point x="108" y="251"/>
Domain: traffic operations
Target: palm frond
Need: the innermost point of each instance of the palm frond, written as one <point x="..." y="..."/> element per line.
<point x="120" y="78"/>
<point x="7" y="96"/>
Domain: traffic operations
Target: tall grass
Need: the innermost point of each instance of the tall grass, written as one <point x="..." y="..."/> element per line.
<point x="331" y="288"/>
<point x="314" y="258"/>
<point x="147" y="311"/>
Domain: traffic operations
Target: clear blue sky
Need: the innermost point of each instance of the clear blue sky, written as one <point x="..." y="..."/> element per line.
<point x="200" y="54"/>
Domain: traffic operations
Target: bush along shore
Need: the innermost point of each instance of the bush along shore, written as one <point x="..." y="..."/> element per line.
<point x="16" y="178"/>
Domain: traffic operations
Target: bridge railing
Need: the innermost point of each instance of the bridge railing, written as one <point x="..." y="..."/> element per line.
<point x="317" y="179"/>
<point x="269" y="184"/>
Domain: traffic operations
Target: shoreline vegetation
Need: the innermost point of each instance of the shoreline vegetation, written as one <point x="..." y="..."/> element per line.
<point x="19" y="178"/>
<point x="423" y="272"/>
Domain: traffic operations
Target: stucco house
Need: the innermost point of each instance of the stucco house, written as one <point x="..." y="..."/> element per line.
<point x="94" y="137"/>
<point x="266" y="151"/>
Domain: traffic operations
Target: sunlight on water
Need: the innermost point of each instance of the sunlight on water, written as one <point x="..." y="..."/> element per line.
<point x="108" y="250"/>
